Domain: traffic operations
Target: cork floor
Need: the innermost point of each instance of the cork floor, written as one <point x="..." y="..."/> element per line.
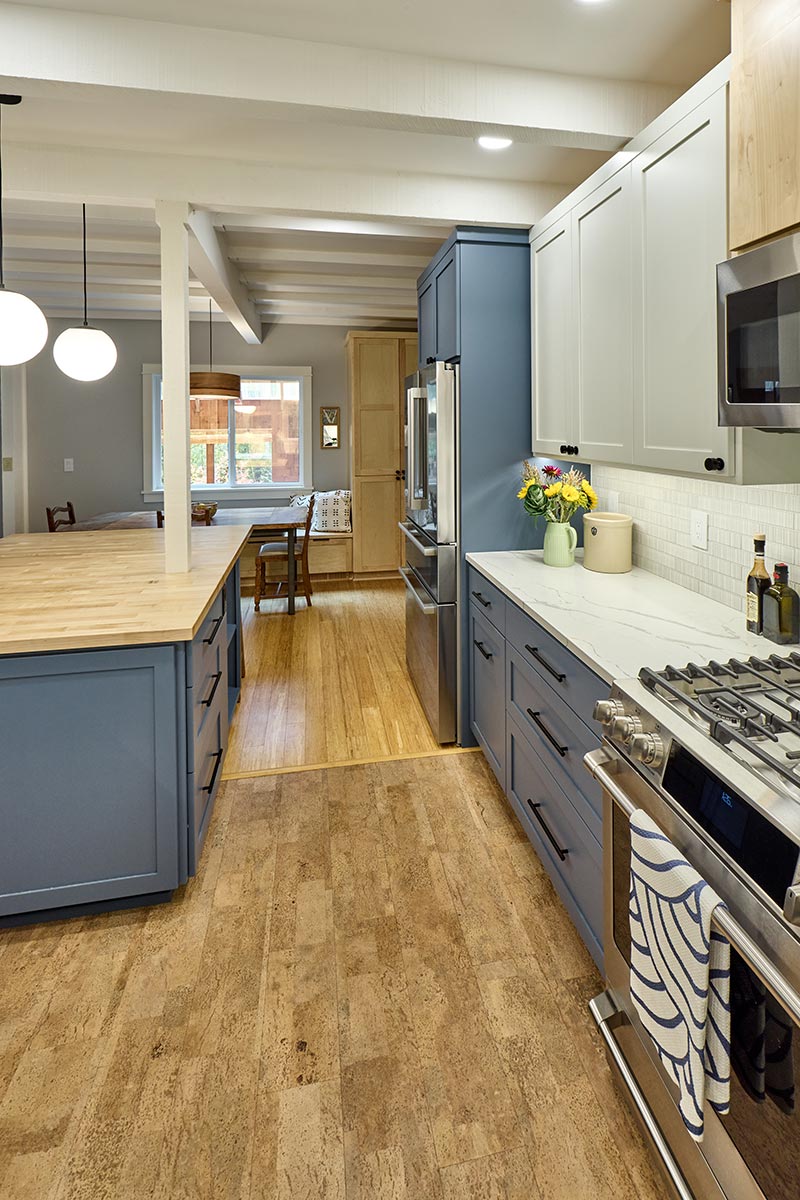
<point x="369" y="991"/>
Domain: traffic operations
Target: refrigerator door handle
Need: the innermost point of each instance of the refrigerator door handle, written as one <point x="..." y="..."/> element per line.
<point x="414" y="396"/>
<point x="428" y="609"/>
<point x="427" y="551"/>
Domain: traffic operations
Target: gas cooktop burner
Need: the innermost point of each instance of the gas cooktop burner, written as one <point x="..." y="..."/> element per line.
<point x="751" y="707"/>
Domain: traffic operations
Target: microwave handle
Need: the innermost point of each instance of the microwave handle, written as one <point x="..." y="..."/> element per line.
<point x="601" y="764"/>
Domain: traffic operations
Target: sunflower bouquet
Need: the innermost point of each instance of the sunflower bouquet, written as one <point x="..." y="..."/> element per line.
<point x="554" y="494"/>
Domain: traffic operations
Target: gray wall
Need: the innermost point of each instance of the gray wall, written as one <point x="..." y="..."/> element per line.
<point x="99" y="425"/>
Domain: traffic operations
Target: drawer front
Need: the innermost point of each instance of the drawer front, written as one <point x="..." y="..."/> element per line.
<point x="488" y="599"/>
<point x="488" y="691"/>
<point x="555" y="829"/>
<point x="566" y="674"/>
<point x="206" y="640"/>
<point x="206" y="757"/>
<point x="560" y="737"/>
<point x="330" y="555"/>
<point x="205" y="692"/>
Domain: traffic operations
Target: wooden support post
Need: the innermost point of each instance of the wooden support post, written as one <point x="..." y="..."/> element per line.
<point x="172" y="217"/>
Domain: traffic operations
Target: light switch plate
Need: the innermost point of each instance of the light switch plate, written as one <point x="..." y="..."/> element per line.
<point x="698" y="529"/>
<point x="69" y="464"/>
<point x="8" y="464"/>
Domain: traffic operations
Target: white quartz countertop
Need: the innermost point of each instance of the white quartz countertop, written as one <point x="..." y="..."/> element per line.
<point x="617" y="624"/>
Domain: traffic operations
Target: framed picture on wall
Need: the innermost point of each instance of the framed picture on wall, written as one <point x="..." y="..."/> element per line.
<point x="329" y="428"/>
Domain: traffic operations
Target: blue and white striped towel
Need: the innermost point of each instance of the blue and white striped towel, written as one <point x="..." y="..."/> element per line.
<point x="680" y="972"/>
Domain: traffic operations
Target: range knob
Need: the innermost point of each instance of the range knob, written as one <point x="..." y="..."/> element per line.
<point x="624" y="728"/>
<point x="606" y="710"/>
<point x="648" y="749"/>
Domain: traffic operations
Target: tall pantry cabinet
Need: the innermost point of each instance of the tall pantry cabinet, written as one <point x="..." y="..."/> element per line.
<point x="377" y="365"/>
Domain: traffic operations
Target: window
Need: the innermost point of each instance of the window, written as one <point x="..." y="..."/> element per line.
<point x="259" y="445"/>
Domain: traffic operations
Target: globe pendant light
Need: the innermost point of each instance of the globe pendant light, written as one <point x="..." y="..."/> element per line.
<point x="23" y="325"/>
<point x="211" y="384"/>
<point x="82" y="352"/>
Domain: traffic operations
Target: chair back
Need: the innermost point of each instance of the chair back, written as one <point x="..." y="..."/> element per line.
<point x="55" y="521"/>
<point x="309" y="516"/>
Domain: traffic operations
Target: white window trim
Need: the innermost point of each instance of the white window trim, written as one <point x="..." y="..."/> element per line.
<point x="153" y="493"/>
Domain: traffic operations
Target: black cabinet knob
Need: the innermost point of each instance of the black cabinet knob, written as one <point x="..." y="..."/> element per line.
<point x="715" y="464"/>
<point x="430" y="359"/>
<point x="575" y="449"/>
<point x="563" y="449"/>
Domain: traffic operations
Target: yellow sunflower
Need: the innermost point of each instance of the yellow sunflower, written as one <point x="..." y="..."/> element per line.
<point x="587" y="488"/>
<point x="523" y="491"/>
<point x="553" y="490"/>
<point x="571" y="494"/>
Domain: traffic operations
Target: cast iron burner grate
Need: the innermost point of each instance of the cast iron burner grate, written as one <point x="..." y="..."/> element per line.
<point x="753" y="704"/>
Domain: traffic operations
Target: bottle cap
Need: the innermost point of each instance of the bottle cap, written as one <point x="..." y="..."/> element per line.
<point x="781" y="573"/>
<point x="760" y="537"/>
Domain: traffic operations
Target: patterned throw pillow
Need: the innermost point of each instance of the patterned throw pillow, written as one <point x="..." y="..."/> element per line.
<point x="332" y="512"/>
<point x="300" y="501"/>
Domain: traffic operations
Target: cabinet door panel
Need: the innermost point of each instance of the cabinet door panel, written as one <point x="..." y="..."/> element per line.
<point x="679" y="237"/>
<point x="447" y="311"/>
<point x="488" y="691"/>
<point x="426" y="321"/>
<point x="376" y="402"/>
<point x="602" y="280"/>
<point x="553" y="340"/>
<point x="376" y="537"/>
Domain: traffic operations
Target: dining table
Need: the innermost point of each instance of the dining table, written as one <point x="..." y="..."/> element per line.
<point x="266" y="522"/>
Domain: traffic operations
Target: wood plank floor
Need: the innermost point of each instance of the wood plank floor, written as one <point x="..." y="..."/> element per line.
<point x="328" y="684"/>
<point x="369" y="992"/>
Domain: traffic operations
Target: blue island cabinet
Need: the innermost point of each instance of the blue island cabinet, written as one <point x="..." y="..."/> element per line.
<point x="111" y="761"/>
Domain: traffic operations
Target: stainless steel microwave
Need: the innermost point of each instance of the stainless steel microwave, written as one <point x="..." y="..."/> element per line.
<point x="758" y="321"/>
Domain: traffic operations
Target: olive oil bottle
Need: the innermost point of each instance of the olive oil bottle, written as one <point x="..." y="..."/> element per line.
<point x="757" y="583"/>
<point x="781" y="609"/>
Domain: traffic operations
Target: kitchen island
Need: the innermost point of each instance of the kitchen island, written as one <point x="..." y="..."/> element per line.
<point x="117" y="684"/>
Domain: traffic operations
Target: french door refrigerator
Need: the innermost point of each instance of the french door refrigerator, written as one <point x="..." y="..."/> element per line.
<point x="430" y="533"/>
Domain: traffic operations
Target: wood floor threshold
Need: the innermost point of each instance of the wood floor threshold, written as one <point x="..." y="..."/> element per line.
<point x="352" y="762"/>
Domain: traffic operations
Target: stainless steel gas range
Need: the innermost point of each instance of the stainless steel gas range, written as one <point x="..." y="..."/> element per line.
<point x="712" y="754"/>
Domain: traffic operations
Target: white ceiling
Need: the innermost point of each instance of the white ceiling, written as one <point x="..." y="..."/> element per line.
<point x="668" y="41"/>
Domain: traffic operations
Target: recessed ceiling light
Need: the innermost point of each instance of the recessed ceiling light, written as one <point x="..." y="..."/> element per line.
<point x="494" y="143"/>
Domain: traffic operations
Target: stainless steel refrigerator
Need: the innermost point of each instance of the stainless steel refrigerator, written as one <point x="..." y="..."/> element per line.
<point x="430" y="532"/>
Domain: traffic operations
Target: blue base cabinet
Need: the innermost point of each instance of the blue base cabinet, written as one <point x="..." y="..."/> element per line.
<point x="532" y="726"/>
<point x="111" y="762"/>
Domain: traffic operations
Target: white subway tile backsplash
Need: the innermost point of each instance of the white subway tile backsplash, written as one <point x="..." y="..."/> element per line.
<point x="660" y="507"/>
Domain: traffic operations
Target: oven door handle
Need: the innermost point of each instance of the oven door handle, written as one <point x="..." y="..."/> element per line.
<point x="601" y="765"/>
<point x="428" y="609"/>
<point x="427" y="551"/>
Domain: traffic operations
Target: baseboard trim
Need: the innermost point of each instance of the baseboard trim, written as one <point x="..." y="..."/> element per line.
<point x="445" y="751"/>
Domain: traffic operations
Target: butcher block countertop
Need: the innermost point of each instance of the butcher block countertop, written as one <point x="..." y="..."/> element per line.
<point x="74" y="591"/>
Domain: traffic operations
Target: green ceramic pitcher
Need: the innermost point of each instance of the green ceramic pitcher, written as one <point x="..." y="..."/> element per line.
<point x="559" y="545"/>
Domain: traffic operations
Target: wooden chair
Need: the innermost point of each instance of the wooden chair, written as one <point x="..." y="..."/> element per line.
<point x="274" y="552"/>
<point x="55" y="522"/>
<point x="198" y="518"/>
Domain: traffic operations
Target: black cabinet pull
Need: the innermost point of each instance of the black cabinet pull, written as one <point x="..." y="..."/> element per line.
<point x="563" y="449"/>
<point x="213" y="691"/>
<point x="215" y="772"/>
<point x="537" y="720"/>
<point x="714" y="464"/>
<point x="207" y="641"/>
<point x="543" y="662"/>
<point x="576" y="449"/>
<point x="430" y="359"/>
<point x="562" y="854"/>
<point x="481" y="600"/>
<point x="483" y="650"/>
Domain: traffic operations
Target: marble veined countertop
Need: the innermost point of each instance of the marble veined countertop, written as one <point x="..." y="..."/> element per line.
<point x="617" y="624"/>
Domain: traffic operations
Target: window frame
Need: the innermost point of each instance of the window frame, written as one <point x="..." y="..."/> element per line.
<point x="153" y="485"/>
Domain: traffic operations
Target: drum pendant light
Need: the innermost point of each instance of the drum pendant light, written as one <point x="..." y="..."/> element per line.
<point x="82" y="352"/>
<point x="211" y="384"/>
<point x="23" y="325"/>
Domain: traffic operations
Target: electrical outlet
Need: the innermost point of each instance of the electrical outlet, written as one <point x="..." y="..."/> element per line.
<point x="613" y="501"/>
<point x="8" y="464"/>
<point x="698" y="529"/>
<point x="69" y="464"/>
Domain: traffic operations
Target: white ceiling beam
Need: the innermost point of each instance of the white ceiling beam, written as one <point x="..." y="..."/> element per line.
<point x="27" y="241"/>
<point x="208" y="260"/>
<point x="108" y="176"/>
<point x="276" y="222"/>
<point x="254" y="256"/>
<point x="304" y="280"/>
<point x="356" y="85"/>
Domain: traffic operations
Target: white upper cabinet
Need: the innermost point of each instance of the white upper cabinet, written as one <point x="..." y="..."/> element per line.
<point x="602" y="338"/>
<point x="679" y="236"/>
<point x="552" y="341"/>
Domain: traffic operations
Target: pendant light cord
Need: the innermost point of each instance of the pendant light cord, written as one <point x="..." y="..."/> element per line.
<point x="85" y="299"/>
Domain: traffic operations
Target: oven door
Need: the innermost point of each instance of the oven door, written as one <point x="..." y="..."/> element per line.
<point x="758" y="315"/>
<point x="753" y="1153"/>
